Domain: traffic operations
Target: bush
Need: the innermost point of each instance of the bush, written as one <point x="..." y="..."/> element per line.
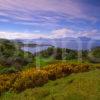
<point x="32" y="78"/>
<point x="8" y="70"/>
<point x="59" y="53"/>
<point x="12" y="55"/>
<point x="6" y="81"/>
<point x="62" y="69"/>
<point x="94" y="55"/>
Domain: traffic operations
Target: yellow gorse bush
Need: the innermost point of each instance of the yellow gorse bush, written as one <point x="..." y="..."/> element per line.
<point x="6" y="81"/>
<point x="32" y="77"/>
<point x="61" y="69"/>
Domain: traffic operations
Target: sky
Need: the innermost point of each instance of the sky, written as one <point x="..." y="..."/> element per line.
<point x="29" y="19"/>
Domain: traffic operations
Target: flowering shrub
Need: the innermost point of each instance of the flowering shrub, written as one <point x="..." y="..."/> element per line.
<point x="31" y="78"/>
<point x="6" y="81"/>
<point x="61" y="69"/>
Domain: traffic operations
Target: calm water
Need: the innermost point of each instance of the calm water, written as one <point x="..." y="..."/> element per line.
<point x="34" y="49"/>
<point x="64" y="44"/>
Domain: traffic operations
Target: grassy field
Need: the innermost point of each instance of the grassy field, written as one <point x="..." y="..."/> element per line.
<point x="52" y="74"/>
<point x="80" y="86"/>
<point x="41" y="62"/>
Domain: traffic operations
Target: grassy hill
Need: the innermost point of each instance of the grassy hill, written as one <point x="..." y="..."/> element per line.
<point x="12" y="58"/>
<point x="81" y="86"/>
<point x="70" y="80"/>
<point x="45" y="77"/>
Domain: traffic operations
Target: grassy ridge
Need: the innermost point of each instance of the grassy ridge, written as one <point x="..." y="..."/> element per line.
<point x="31" y="78"/>
<point x="12" y="58"/>
<point x="18" y="73"/>
<point x="81" y="86"/>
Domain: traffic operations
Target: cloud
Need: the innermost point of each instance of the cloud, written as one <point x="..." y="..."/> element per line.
<point x="94" y="33"/>
<point x="46" y="11"/>
<point x="29" y="6"/>
<point x="64" y="32"/>
<point x="15" y="35"/>
<point x="58" y="33"/>
<point x="60" y="17"/>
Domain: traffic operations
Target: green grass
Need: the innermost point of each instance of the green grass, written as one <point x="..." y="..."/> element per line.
<point x="81" y="86"/>
<point x="40" y="61"/>
<point x="5" y="70"/>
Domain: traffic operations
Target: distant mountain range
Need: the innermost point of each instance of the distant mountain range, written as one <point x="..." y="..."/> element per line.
<point x="67" y="42"/>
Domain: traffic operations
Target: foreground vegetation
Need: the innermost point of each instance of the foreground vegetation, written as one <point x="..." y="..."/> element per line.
<point x="32" y="77"/>
<point x="12" y="58"/>
<point x="48" y="76"/>
<point x="81" y="86"/>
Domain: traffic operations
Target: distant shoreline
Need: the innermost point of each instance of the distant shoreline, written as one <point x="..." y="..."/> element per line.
<point x="34" y="45"/>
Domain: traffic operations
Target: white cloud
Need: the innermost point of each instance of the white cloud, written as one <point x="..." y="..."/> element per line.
<point x="64" y="32"/>
<point x="15" y="35"/>
<point x="26" y="9"/>
<point x="59" y="33"/>
<point x="29" y="6"/>
<point x="94" y="33"/>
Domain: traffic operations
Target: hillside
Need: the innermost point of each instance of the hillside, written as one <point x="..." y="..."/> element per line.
<point x="46" y="75"/>
<point x="81" y="86"/>
<point x="49" y="49"/>
<point x="92" y="55"/>
<point x="12" y="58"/>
